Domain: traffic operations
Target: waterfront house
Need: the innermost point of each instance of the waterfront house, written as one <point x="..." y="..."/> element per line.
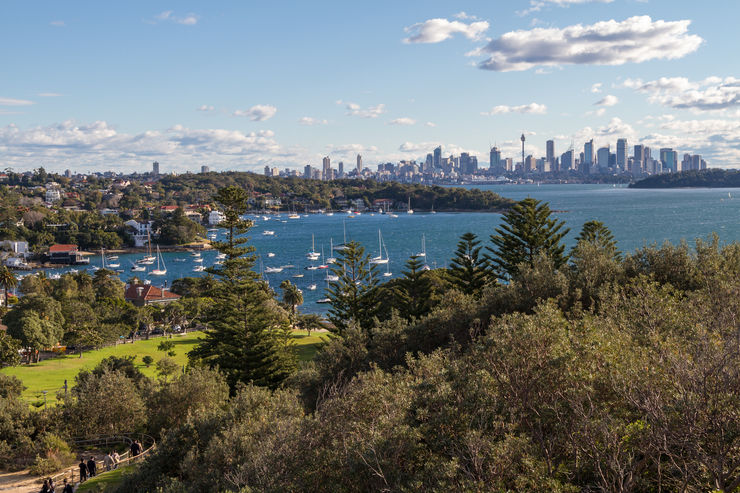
<point x="146" y="294"/>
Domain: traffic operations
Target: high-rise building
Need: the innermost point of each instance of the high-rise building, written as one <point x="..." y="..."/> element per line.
<point x="524" y="164"/>
<point x="268" y="171"/>
<point x="602" y="158"/>
<point x="638" y="162"/>
<point x="465" y="163"/>
<point x="359" y="164"/>
<point x="530" y="163"/>
<point x="155" y="168"/>
<point x="326" y="169"/>
<point x="509" y="164"/>
<point x="68" y="173"/>
<point x="341" y="169"/>
<point x="307" y="172"/>
<point x="550" y="155"/>
<point x="587" y="162"/>
<point x="668" y="158"/>
<point x="429" y="163"/>
<point x="622" y="154"/>
<point x="438" y="157"/>
<point x="566" y="160"/>
<point x="205" y="169"/>
<point x="495" y="160"/>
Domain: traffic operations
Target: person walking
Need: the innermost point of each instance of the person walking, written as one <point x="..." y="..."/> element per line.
<point x="91" y="467"/>
<point x="83" y="470"/>
<point x="68" y="488"/>
<point x="108" y="461"/>
<point x="133" y="448"/>
<point x="116" y="459"/>
<point x="45" y="487"/>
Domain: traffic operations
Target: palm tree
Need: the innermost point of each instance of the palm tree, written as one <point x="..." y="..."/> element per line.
<point x="292" y="296"/>
<point x="311" y="321"/>
<point x="7" y="281"/>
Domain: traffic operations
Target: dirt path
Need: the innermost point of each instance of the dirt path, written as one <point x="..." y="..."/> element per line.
<point x="18" y="482"/>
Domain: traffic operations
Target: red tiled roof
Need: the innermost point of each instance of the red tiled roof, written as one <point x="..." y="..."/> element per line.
<point x="149" y="292"/>
<point x="62" y="248"/>
<point x="168" y="208"/>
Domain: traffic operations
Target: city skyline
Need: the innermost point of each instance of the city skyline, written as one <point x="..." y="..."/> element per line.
<point x="243" y="86"/>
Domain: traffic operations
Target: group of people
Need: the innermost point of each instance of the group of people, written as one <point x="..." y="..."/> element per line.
<point x="50" y="487"/>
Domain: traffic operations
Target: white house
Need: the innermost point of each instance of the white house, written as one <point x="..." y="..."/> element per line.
<point x="140" y="231"/>
<point x="53" y="195"/>
<point x="215" y="217"/>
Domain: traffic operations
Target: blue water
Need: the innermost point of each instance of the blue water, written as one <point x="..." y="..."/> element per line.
<point x="636" y="217"/>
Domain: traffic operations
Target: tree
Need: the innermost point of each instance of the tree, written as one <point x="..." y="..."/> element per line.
<point x="352" y="297"/>
<point x="7" y="281"/>
<point x="248" y="336"/>
<point x="167" y="347"/>
<point x="292" y="296"/>
<point x="310" y="321"/>
<point x="468" y="270"/>
<point x="414" y="291"/>
<point x="8" y="350"/>
<point x="528" y="230"/>
<point x="597" y="233"/>
<point x="36" y="321"/>
<point x="167" y="367"/>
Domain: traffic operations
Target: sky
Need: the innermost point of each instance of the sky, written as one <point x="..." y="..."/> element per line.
<point x="98" y="86"/>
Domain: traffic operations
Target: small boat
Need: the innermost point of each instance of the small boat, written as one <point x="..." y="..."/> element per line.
<point x="332" y="277"/>
<point x="297" y="276"/>
<point x="198" y="260"/>
<point x="113" y="257"/>
<point x="195" y="254"/>
<point x="265" y="218"/>
<point x="423" y="252"/>
<point x="114" y="266"/>
<point x="313" y="254"/>
<point x="218" y="262"/>
<point x="137" y="268"/>
<point x="329" y="213"/>
<point x="273" y="270"/>
<point x="379" y="259"/>
<point x="409" y="210"/>
<point x="221" y="256"/>
<point x="270" y="254"/>
<point x="311" y="267"/>
<point x="294" y="216"/>
<point x="312" y="287"/>
<point x="161" y="270"/>
<point x="198" y="268"/>
<point x="323" y="300"/>
<point x="393" y="215"/>
<point x="268" y="232"/>
<point x="180" y="260"/>
<point x="323" y="266"/>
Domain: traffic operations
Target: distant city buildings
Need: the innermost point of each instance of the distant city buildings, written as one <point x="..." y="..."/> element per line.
<point x="155" y="168"/>
<point x="205" y="169"/>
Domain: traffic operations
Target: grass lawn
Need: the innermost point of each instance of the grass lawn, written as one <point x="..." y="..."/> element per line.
<point x="104" y="480"/>
<point x="50" y="374"/>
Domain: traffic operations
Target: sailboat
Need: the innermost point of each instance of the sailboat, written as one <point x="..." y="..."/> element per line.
<point x="342" y="246"/>
<point x="313" y="254"/>
<point x="137" y="268"/>
<point x="387" y="272"/>
<point x="331" y="260"/>
<point x="423" y="252"/>
<point x="410" y="210"/>
<point x="432" y="211"/>
<point x="148" y="259"/>
<point x="379" y="259"/>
<point x="161" y="270"/>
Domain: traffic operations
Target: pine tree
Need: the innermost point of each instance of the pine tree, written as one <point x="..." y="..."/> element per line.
<point x="353" y="296"/>
<point x="597" y="233"/>
<point x="414" y="291"/>
<point x="248" y="336"/>
<point x="468" y="270"/>
<point x="528" y="230"/>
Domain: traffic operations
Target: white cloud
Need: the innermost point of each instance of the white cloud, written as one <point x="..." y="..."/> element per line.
<point x="634" y="40"/>
<point x="354" y="109"/>
<point x="57" y="23"/>
<point x="402" y="121"/>
<point x="48" y="95"/>
<point x="464" y="16"/>
<point x="531" y="108"/>
<point x="596" y="88"/>
<point x="712" y="93"/>
<point x="430" y="124"/>
<point x="438" y="30"/>
<point x="307" y="120"/>
<point x="258" y="113"/>
<point x="608" y="100"/>
<point x="537" y="5"/>
<point x="205" y="107"/>
<point x="15" y="102"/>
<point x="169" y="16"/>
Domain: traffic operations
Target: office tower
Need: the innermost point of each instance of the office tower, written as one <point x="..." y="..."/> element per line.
<point x="275" y="171"/>
<point x="550" y="155"/>
<point x="326" y="168"/>
<point x="465" y="163"/>
<point x="473" y="164"/>
<point x="530" y="163"/>
<point x="68" y="173"/>
<point x="509" y="164"/>
<point x="359" y="164"/>
<point x="341" y="169"/>
<point x="205" y="169"/>
<point x="307" y="173"/>
<point x="155" y="168"/>
<point x="566" y="160"/>
<point x="438" y="157"/>
<point x="638" y="163"/>
<point x="494" y="159"/>
<point x="429" y="163"/>
<point x="602" y="158"/>
<point x="588" y="156"/>
<point x="523" y="163"/>
<point x="268" y="171"/>
<point x="622" y="154"/>
<point x="668" y="160"/>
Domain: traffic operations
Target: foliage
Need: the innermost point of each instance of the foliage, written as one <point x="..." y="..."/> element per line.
<point x="413" y="294"/>
<point x="352" y="296"/>
<point x="710" y="178"/>
<point x="54" y="455"/>
<point x="9" y="350"/>
<point x="468" y="269"/>
<point x="147" y="360"/>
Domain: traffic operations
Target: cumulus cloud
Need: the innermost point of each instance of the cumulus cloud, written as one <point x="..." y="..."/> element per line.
<point x="57" y="23"/>
<point x="307" y="120"/>
<point x="438" y="30"/>
<point x="531" y="108"/>
<point x="712" y="93"/>
<point x="596" y="88"/>
<point x="608" y="100"/>
<point x="634" y="40"/>
<point x="354" y="109"/>
<point x="205" y="107"/>
<point x="402" y="121"/>
<point x="258" y="113"/>
<point x="15" y="102"/>
<point x="169" y="16"/>
<point x="464" y="16"/>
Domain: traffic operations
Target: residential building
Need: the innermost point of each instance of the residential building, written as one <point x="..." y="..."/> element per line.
<point x="146" y="294"/>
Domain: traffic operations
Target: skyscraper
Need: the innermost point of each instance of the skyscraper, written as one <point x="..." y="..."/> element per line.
<point x="495" y="160"/>
<point x="438" y="157"/>
<point x="341" y="169"/>
<point x="566" y="160"/>
<point x="602" y="158"/>
<point x="523" y="163"/>
<point x="622" y="154"/>
<point x="307" y="172"/>
<point x="429" y="163"/>
<point x="326" y="169"/>
<point x="359" y="164"/>
<point x="268" y="171"/>
<point x="205" y="169"/>
<point x="668" y="158"/>
<point x="588" y="156"/>
<point x="155" y="168"/>
<point x="550" y="155"/>
<point x="638" y="163"/>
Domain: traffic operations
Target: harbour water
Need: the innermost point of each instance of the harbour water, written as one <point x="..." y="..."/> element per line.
<point x="636" y="217"/>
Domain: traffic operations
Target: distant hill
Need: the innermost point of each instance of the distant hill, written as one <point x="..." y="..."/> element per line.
<point x="708" y="178"/>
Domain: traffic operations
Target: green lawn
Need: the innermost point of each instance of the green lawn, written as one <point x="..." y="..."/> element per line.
<point x="104" y="480"/>
<point x="50" y="374"/>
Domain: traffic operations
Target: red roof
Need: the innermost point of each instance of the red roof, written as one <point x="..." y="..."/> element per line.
<point x="62" y="248"/>
<point x="148" y="293"/>
<point x="168" y="208"/>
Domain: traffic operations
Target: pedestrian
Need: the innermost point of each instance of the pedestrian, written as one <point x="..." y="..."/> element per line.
<point x="108" y="461"/>
<point x="51" y="485"/>
<point x="91" y="466"/>
<point x="68" y="488"/>
<point x="116" y="459"/>
<point x="133" y="448"/>
<point x="83" y="470"/>
<point x="45" y="487"/>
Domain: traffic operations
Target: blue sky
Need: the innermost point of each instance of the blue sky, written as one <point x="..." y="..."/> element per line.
<point x="236" y="85"/>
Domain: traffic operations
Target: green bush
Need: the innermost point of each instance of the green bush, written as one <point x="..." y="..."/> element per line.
<point x="53" y="454"/>
<point x="147" y="360"/>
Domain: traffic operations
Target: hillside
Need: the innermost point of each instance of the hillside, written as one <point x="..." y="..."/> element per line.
<point x="709" y="178"/>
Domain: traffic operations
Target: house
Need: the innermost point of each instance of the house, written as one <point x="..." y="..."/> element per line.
<point x="215" y="217"/>
<point x="168" y="209"/>
<point x="146" y="294"/>
<point x="53" y="195"/>
<point x="19" y="247"/>
<point x="141" y="231"/>
<point x="65" y="254"/>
